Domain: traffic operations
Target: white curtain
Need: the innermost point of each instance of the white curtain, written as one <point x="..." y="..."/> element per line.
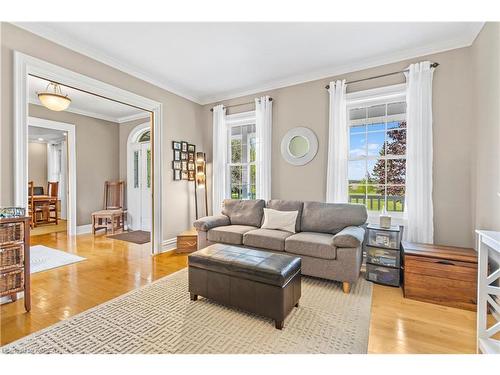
<point x="263" y="133"/>
<point x="336" y="173"/>
<point x="219" y="158"/>
<point x="419" y="207"/>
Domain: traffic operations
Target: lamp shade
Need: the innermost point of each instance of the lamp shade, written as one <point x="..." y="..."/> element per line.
<point x="54" y="99"/>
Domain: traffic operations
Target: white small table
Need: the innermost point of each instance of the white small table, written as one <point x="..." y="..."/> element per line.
<point x="487" y="291"/>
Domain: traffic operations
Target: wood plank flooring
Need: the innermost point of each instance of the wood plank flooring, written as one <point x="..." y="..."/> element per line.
<point x="113" y="267"/>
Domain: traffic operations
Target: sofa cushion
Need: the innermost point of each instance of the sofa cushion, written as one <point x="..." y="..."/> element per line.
<point x="244" y="212"/>
<point x="349" y="237"/>
<point x="284" y="205"/>
<point x="316" y="245"/>
<point x="331" y="217"/>
<point x="266" y="239"/>
<point x="231" y="234"/>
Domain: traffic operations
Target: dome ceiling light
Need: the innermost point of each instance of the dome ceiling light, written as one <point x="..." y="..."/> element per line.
<point x="53" y="98"/>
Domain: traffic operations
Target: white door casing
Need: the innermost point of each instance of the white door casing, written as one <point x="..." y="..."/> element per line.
<point x="24" y="65"/>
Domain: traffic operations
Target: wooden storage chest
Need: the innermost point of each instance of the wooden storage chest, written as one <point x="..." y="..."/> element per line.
<point x="443" y="275"/>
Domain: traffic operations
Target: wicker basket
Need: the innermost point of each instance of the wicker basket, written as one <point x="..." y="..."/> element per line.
<point x="11" y="256"/>
<point x="11" y="282"/>
<point x="11" y="232"/>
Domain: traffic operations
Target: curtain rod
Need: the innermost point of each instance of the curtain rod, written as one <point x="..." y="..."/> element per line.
<point x="433" y="65"/>
<point x="239" y="105"/>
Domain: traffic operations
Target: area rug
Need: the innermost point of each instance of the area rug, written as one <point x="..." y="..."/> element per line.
<point x="160" y="318"/>
<point x="44" y="258"/>
<point x="137" y="236"/>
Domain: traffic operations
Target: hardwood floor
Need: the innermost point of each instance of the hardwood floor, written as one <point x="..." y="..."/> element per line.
<point x="398" y="325"/>
<point x="62" y="226"/>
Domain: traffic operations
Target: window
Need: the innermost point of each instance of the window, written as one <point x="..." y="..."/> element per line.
<point x="377" y="153"/>
<point x="145" y="137"/>
<point x="242" y="156"/>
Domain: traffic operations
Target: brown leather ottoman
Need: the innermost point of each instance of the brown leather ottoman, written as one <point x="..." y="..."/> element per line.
<point x="256" y="281"/>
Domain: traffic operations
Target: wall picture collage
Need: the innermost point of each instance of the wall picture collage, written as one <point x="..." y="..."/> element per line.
<point x="183" y="164"/>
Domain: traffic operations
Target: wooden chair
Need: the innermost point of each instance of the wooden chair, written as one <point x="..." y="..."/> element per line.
<point x="34" y="210"/>
<point x="113" y="214"/>
<point x="31" y="204"/>
<point x="53" y="203"/>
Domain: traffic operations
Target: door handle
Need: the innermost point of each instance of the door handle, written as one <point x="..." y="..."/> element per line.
<point x="445" y="262"/>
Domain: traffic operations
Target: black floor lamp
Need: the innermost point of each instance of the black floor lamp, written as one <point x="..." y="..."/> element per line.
<point x="200" y="180"/>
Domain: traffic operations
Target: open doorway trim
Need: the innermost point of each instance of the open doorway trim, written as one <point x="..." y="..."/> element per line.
<point x="71" y="144"/>
<point x="25" y="65"/>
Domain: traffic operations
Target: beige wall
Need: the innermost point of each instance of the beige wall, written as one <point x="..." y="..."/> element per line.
<point x="37" y="164"/>
<point x="307" y="105"/>
<point x="97" y="157"/>
<point x="486" y="124"/>
<point x="181" y="118"/>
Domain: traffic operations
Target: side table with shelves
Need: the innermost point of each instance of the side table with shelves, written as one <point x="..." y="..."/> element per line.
<point x="383" y="254"/>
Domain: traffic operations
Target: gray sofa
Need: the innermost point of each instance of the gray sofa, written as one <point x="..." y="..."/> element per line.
<point x="328" y="238"/>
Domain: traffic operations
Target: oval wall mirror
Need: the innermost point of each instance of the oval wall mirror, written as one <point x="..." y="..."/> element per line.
<point x="299" y="146"/>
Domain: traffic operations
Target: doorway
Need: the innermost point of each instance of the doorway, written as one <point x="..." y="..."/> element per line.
<point x="56" y="163"/>
<point x="26" y="66"/>
<point x="139" y="178"/>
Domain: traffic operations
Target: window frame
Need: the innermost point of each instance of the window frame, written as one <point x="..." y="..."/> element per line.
<point x="373" y="97"/>
<point x="237" y="120"/>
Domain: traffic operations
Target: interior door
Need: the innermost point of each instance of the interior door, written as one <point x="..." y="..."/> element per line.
<point x="146" y="199"/>
<point x="139" y="187"/>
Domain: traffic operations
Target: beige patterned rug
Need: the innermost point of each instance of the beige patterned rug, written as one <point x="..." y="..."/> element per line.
<point x="160" y="318"/>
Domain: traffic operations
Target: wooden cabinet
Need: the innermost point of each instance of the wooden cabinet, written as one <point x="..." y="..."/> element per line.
<point x="15" y="258"/>
<point x="440" y="274"/>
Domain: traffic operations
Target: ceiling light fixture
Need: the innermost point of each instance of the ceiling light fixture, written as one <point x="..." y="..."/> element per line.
<point x="40" y="139"/>
<point x="53" y="98"/>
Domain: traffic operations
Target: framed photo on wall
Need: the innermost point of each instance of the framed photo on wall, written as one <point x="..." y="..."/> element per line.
<point x="176" y="165"/>
<point x="191" y="148"/>
<point x="177" y="155"/>
<point x="184" y="166"/>
<point x="184" y="156"/>
<point x="191" y="156"/>
<point x="176" y="145"/>
<point x="184" y="175"/>
<point x="184" y="146"/>
<point x="191" y="175"/>
<point x="177" y="174"/>
<point x="190" y="166"/>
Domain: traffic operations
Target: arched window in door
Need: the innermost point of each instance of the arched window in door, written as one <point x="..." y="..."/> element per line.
<point x="145" y="137"/>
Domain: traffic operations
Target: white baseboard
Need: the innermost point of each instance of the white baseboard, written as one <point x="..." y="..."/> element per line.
<point x="169" y="245"/>
<point x="82" y="229"/>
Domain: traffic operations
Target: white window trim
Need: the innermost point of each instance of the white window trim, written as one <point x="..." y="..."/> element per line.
<point x="380" y="95"/>
<point x="237" y="119"/>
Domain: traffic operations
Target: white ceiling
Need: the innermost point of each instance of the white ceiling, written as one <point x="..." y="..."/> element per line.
<point x="44" y="135"/>
<point x="88" y="104"/>
<point x="206" y="62"/>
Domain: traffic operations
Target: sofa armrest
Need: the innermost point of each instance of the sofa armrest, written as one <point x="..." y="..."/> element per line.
<point x="349" y="237"/>
<point x="209" y="222"/>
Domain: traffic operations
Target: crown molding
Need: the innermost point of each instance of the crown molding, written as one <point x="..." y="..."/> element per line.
<point x="81" y="112"/>
<point x="58" y="38"/>
<point x="137" y="116"/>
<point x="465" y="40"/>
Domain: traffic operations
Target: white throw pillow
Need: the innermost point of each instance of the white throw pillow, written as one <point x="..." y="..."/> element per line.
<point x="281" y="220"/>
